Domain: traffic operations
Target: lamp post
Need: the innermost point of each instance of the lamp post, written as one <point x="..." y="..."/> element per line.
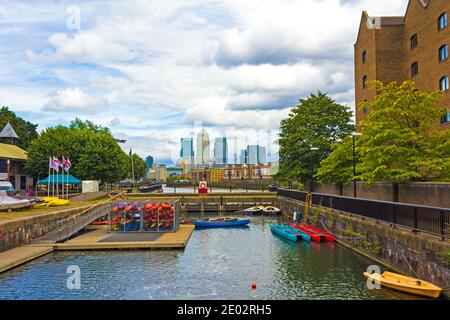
<point x="354" y="135"/>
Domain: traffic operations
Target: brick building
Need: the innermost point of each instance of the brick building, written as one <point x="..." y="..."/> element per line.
<point x="412" y="47"/>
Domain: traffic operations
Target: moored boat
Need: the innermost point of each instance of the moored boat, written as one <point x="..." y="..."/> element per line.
<point x="313" y="235"/>
<point x="289" y="233"/>
<point x="406" y="284"/>
<point x="270" y="210"/>
<point x="254" y="210"/>
<point x="221" y="224"/>
<point x="304" y="236"/>
<point x="327" y="235"/>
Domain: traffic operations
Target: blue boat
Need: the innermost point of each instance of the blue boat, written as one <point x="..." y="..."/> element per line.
<point x="221" y="224"/>
<point x="289" y="233"/>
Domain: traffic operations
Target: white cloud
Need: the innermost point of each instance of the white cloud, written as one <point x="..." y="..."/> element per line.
<point x="75" y="100"/>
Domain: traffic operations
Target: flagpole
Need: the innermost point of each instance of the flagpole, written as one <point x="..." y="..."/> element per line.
<point x="48" y="179"/>
<point x="62" y="182"/>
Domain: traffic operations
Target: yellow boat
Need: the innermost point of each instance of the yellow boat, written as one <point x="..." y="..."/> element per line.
<point x="406" y="284"/>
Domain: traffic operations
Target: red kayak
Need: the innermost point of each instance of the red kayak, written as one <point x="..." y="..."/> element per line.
<point x="328" y="237"/>
<point x="317" y="237"/>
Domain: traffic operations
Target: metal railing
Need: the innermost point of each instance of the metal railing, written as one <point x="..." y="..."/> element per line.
<point x="418" y="218"/>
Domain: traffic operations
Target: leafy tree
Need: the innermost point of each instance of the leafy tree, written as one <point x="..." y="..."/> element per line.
<point x="317" y="122"/>
<point x="140" y="167"/>
<point x="24" y="129"/>
<point x="399" y="141"/>
<point x="89" y="125"/>
<point x="94" y="155"/>
<point x="338" y="166"/>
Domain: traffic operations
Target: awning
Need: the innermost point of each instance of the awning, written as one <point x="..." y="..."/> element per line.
<point x="60" y="179"/>
<point x="9" y="151"/>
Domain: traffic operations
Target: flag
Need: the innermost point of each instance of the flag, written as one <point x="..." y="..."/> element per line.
<point x="55" y="164"/>
<point x="66" y="164"/>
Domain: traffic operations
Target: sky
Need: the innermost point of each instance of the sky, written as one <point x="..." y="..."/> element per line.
<point x="158" y="70"/>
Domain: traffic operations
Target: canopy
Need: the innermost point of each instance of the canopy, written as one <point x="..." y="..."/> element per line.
<point x="9" y="151"/>
<point x="60" y="179"/>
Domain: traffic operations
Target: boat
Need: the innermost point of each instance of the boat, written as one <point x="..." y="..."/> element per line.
<point x="406" y="284"/>
<point x="304" y="236"/>
<point x="8" y="203"/>
<point x="289" y="233"/>
<point x="270" y="210"/>
<point x="221" y="224"/>
<point x="313" y="235"/>
<point x="327" y="235"/>
<point x="254" y="210"/>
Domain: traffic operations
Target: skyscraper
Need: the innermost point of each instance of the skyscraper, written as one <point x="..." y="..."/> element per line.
<point x="187" y="148"/>
<point x="149" y="163"/>
<point x="256" y="154"/>
<point x="221" y="151"/>
<point x="243" y="157"/>
<point x="203" y="153"/>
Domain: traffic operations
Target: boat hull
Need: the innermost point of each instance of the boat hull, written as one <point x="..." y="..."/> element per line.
<point x="406" y="284"/>
<point x="220" y="224"/>
<point x="313" y="235"/>
<point x="284" y="234"/>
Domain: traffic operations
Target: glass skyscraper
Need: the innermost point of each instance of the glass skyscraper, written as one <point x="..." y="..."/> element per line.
<point x="187" y="148"/>
<point x="256" y="154"/>
<point x="221" y="151"/>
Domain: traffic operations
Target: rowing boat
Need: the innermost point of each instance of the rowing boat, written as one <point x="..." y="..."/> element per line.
<point x="327" y="235"/>
<point x="406" y="284"/>
<point x="314" y="235"/>
<point x="289" y="233"/>
<point x="221" y="224"/>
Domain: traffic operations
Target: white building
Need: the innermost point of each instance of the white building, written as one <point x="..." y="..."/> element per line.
<point x="203" y="154"/>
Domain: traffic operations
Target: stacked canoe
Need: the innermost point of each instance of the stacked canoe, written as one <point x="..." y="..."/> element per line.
<point x="316" y="234"/>
<point x="287" y="232"/>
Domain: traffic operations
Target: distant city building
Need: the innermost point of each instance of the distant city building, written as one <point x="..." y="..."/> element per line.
<point x="159" y="172"/>
<point x="220" y="151"/>
<point x="203" y="155"/>
<point x="243" y="157"/>
<point x="175" y="171"/>
<point x="256" y="154"/>
<point x="149" y="163"/>
<point x="198" y="175"/>
<point x="187" y="153"/>
<point x="255" y="172"/>
<point x="217" y="174"/>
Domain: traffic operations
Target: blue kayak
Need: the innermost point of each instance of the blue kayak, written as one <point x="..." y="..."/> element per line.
<point x="303" y="235"/>
<point x="289" y="233"/>
<point x="221" y="224"/>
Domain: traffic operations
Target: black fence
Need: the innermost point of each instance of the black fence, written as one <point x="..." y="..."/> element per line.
<point x="418" y="218"/>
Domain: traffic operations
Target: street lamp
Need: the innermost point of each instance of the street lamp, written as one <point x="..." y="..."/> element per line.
<point x="354" y="135"/>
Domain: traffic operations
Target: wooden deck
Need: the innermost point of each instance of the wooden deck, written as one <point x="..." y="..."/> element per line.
<point x="94" y="240"/>
<point x="17" y="256"/>
<point x="91" y="241"/>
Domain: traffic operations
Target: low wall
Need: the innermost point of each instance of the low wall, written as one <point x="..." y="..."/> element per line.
<point x="423" y="193"/>
<point x="22" y="231"/>
<point x="418" y="255"/>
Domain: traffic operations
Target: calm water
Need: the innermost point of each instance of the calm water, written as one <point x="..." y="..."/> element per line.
<point x="217" y="264"/>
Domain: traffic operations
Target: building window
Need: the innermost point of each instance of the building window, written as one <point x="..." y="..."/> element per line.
<point x="443" y="53"/>
<point x="414" y="69"/>
<point x="443" y="21"/>
<point x="414" y="41"/>
<point x="443" y="83"/>
<point x="364" y="57"/>
<point x="364" y="83"/>
<point x="446" y="117"/>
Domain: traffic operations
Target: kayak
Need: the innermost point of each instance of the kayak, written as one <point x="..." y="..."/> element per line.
<point x="289" y="233"/>
<point x="303" y="235"/>
<point x="328" y="236"/>
<point x="220" y="224"/>
<point x="406" y="284"/>
<point x="314" y="235"/>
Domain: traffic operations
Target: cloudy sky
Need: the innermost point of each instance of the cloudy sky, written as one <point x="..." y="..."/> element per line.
<point x="154" y="71"/>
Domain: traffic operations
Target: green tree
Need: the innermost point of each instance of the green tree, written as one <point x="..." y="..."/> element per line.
<point x="24" y="129"/>
<point x="338" y="166"/>
<point x="399" y="141"/>
<point x="317" y="122"/>
<point x="94" y="155"/>
<point x="140" y="167"/>
<point x="89" y="125"/>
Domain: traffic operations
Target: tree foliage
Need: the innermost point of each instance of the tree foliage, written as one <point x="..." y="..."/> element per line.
<point x="317" y="122"/>
<point x="140" y="167"/>
<point x="24" y="129"/>
<point x="95" y="155"/>
<point x="399" y="140"/>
